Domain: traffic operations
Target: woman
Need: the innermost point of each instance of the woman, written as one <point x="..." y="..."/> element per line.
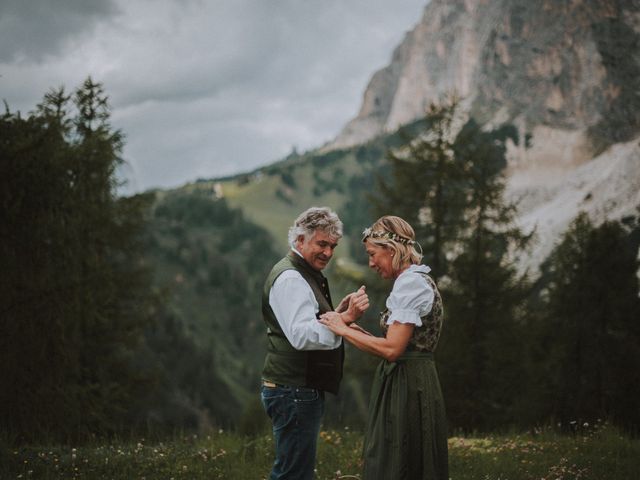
<point x="406" y="436"/>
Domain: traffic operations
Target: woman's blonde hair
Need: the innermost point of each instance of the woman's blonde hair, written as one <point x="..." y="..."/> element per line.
<point x="397" y="235"/>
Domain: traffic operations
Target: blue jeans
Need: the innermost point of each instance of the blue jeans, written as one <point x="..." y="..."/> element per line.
<point x="295" y="413"/>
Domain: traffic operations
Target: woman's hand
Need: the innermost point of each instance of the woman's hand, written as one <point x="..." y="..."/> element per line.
<point x="334" y="322"/>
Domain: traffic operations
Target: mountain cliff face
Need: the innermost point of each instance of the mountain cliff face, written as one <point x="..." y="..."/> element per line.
<point x="566" y="73"/>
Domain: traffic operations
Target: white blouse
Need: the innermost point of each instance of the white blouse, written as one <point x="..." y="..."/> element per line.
<point x="411" y="296"/>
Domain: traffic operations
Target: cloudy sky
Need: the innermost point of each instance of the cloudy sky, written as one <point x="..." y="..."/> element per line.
<point x="204" y="88"/>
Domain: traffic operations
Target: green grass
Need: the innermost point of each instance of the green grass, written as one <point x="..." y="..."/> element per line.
<point x="593" y="454"/>
<point x="599" y="453"/>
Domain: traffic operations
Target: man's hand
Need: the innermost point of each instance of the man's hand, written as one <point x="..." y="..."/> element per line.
<point x="357" y="304"/>
<point x="344" y="303"/>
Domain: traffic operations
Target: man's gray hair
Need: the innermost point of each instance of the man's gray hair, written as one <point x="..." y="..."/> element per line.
<point x="315" y="218"/>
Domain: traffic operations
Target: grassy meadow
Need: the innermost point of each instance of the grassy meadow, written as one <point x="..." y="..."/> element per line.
<point x="592" y="453"/>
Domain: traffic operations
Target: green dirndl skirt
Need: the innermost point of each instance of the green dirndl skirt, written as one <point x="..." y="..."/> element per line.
<point x="406" y="435"/>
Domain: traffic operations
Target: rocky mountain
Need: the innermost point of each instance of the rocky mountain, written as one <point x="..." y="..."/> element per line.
<point x="566" y="73"/>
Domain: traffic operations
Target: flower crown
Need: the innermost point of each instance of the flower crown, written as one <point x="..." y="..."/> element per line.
<point x="369" y="233"/>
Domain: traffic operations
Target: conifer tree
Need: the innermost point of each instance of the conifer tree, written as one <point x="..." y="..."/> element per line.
<point x="73" y="293"/>
<point x="481" y="356"/>
<point x="591" y="329"/>
<point x="427" y="186"/>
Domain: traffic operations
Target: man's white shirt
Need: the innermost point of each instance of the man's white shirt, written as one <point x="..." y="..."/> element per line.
<point x="295" y="307"/>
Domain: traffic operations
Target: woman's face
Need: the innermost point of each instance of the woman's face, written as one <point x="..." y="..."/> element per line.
<point x="380" y="259"/>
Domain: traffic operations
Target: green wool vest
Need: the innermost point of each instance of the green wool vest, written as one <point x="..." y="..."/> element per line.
<point x="321" y="369"/>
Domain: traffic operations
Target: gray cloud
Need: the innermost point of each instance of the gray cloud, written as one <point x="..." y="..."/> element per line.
<point x="32" y="29"/>
<point x="209" y="88"/>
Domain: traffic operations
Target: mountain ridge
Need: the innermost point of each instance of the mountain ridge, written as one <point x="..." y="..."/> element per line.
<point x="496" y="54"/>
<point x="566" y="74"/>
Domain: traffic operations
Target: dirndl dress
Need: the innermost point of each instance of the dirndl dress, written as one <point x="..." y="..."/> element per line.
<point x="406" y="434"/>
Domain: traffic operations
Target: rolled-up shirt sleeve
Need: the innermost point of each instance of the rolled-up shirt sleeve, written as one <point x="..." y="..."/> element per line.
<point x="295" y="308"/>
<point x="411" y="298"/>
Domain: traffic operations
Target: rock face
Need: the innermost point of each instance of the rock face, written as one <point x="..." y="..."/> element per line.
<point x="565" y="72"/>
<point x="571" y="64"/>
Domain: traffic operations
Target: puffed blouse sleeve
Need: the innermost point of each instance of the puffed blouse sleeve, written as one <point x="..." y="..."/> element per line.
<point x="410" y="299"/>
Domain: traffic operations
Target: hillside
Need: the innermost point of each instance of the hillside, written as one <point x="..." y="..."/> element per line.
<point x="342" y="179"/>
<point x="209" y="265"/>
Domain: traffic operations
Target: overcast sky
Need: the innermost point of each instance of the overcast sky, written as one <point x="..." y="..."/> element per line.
<point x="204" y="88"/>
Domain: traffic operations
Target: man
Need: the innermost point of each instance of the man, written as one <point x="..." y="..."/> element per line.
<point x="304" y="358"/>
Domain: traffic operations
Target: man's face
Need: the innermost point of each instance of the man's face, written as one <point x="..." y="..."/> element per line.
<point x="318" y="249"/>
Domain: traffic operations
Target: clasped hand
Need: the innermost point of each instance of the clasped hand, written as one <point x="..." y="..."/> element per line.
<point x="350" y="309"/>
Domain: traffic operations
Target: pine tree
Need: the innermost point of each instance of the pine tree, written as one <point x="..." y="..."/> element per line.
<point x="480" y="353"/>
<point x="591" y="327"/>
<point x="427" y="186"/>
<point x="73" y="292"/>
